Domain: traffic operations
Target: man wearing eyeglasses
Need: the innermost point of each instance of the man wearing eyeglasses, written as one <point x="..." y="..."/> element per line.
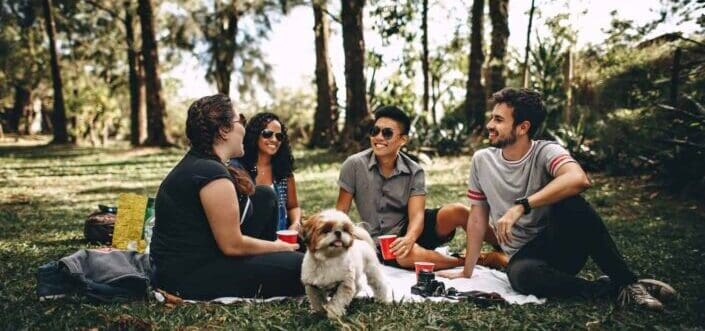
<point x="389" y="191"/>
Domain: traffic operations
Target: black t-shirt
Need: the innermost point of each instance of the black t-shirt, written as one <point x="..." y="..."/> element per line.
<point x="182" y="238"/>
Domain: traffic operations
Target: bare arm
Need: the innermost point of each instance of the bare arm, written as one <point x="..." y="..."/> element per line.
<point x="570" y="180"/>
<point x="292" y="204"/>
<point x="403" y="245"/>
<point x="219" y="201"/>
<point x="478" y="222"/>
<point x="344" y="201"/>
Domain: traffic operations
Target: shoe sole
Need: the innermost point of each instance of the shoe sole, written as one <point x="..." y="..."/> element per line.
<point x="662" y="291"/>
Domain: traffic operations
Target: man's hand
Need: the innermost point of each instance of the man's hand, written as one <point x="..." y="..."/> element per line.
<point x="506" y="222"/>
<point x="402" y="246"/>
<point x="453" y="274"/>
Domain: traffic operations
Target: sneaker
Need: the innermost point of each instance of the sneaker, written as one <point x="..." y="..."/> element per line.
<point x="494" y="260"/>
<point x="637" y="294"/>
<point x="659" y="289"/>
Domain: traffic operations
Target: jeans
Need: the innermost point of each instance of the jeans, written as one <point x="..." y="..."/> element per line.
<point x="547" y="265"/>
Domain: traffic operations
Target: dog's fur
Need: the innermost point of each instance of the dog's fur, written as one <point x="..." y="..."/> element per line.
<point x="339" y="253"/>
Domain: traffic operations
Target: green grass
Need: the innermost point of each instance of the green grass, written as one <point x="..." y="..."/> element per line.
<point x="46" y="192"/>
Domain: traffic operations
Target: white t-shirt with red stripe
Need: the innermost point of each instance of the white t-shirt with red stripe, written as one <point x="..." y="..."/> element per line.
<point x="497" y="182"/>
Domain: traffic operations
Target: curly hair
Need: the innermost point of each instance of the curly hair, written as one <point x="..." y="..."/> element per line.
<point x="282" y="161"/>
<point x="206" y="118"/>
<point x="527" y="105"/>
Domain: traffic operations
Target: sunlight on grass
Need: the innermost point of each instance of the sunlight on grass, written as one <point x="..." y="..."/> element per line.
<point x="46" y="193"/>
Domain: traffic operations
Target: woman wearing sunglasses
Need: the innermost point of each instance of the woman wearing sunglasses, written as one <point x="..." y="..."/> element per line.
<point x="215" y="233"/>
<point x="269" y="161"/>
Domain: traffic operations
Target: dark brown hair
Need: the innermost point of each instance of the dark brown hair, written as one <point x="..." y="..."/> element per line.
<point x="206" y="118"/>
<point x="527" y="105"/>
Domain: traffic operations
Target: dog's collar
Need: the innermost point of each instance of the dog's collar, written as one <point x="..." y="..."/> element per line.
<point x="334" y="288"/>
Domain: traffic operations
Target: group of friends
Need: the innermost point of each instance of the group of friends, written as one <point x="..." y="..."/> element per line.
<point x="218" y="210"/>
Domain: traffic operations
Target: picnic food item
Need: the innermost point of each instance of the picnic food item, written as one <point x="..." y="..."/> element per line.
<point x="134" y="212"/>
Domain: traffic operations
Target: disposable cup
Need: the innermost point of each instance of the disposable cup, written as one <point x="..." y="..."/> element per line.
<point x="289" y="236"/>
<point x="423" y="266"/>
<point x="384" y="242"/>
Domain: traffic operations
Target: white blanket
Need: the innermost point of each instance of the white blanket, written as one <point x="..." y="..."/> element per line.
<point x="400" y="281"/>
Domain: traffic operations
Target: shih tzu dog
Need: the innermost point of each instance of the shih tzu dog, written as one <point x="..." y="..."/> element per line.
<point x="340" y="255"/>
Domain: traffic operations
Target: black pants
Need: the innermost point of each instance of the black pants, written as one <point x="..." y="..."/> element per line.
<point x="264" y="275"/>
<point x="547" y="265"/>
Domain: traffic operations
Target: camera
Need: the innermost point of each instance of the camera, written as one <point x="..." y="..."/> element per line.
<point x="427" y="285"/>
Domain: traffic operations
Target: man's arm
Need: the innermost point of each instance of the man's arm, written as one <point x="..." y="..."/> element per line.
<point x="416" y="207"/>
<point x="344" y="201"/>
<point x="478" y="222"/>
<point x="570" y="180"/>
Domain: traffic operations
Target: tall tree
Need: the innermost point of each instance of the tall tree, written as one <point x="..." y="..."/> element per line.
<point x="138" y="111"/>
<point x="356" y="109"/>
<point x="220" y="30"/>
<point x="156" y="131"/>
<point x="61" y="135"/>
<point x="498" y="50"/>
<point x="475" y="103"/>
<point x="527" y="50"/>
<point x="325" y="124"/>
<point x="424" y="57"/>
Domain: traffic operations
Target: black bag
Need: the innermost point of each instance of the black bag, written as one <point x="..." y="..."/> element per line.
<point x="99" y="226"/>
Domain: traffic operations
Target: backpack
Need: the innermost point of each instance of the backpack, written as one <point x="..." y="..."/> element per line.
<point x="99" y="225"/>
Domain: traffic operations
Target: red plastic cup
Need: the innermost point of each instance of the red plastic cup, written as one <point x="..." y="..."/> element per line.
<point x="423" y="266"/>
<point x="384" y="242"/>
<point x="290" y="236"/>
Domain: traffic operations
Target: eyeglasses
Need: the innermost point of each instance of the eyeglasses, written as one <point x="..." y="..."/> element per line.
<point x="387" y="133"/>
<point x="267" y="133"/>
<point x="242" y="120"/>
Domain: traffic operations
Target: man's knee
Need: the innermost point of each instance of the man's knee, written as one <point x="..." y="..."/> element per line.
<point x="408" y="260"/>
<point x="454" y="213"/>
<point x="525" y="276"/>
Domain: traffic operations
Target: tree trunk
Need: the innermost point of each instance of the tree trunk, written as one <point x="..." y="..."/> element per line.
<point x="675" y="73"/>
<point x="23" y="97"/>
<point x="424" y="57"/>
<point x="568" y="86"/>
<point x="138" y="113"/>
<point x="475" y="103"/>
<point x="525" y="73"/>
<point x="357" y="114"/>
<point x="224" y="45"/>
<point x="498" y="50"/>
<point x="156" y="132"/>
<point x="59" y="115"/>
<point x="325" y="124"/>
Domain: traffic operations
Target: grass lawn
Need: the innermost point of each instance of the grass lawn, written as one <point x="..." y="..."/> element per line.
<point x="46" y="192"/>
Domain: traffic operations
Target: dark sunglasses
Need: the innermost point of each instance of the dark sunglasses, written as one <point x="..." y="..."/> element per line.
<point x="387" y="133"/>
<point x="267" y="133"/>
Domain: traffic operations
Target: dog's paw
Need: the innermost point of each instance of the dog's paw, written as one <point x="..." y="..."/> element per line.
<point x="334" y="312"/>
<point x="384" y="298"/>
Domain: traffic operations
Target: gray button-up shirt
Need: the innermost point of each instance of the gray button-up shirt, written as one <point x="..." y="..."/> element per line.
<point x="382" y="202"/>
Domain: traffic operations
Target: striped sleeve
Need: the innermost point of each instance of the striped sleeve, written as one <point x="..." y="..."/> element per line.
<point x="475" y="193"/>
<point x="555" y="157"/>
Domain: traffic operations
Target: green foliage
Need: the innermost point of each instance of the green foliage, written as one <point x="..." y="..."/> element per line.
<point x="661" y="237"/>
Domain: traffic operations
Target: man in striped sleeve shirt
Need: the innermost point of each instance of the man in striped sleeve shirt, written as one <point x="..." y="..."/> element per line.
<point x="528" y="192"/>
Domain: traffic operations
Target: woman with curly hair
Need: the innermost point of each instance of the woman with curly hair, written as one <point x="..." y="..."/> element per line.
<point x="215" y="233"/>
<point x="269" y="161"/>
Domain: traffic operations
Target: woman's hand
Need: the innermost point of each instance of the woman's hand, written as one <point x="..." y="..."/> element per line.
<point x="287" y="247"/>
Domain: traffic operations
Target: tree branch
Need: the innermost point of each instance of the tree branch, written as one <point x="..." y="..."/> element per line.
<point x="105" y="9"/>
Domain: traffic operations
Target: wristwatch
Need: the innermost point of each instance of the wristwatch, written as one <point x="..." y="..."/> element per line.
<point x="524" y="202"/>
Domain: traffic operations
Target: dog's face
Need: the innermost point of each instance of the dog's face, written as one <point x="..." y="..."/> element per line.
<point x="329" y="232"/>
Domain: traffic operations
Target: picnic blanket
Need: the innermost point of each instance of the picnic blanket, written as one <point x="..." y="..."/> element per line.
<point x="401" y="280"/>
